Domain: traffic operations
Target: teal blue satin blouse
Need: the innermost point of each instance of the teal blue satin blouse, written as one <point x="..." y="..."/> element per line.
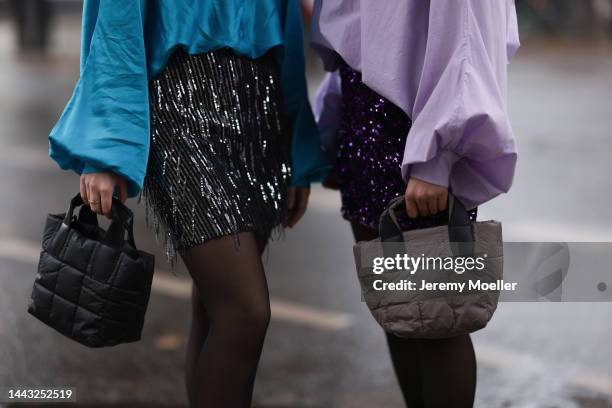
<point x="105" y="125"/>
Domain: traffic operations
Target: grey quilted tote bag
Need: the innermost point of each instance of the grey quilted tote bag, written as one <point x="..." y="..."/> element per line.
<point x="450" y="294"/>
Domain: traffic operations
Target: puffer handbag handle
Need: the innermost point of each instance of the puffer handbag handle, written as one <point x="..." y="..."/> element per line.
<point x="460" y="227"/>
<point x="123" y="220"/>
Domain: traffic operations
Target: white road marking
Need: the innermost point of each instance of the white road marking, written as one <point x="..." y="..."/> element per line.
<point x="310" y="316"/>
<point x="167" y="284"/>
<point x="171" y="286"/>
<point x="21" y="251"/>
<point x="544" y="231"/>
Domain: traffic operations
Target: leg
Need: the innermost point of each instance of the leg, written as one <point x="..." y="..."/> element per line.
<point x="407" y="363"/>
<point x="405" y="353"/>
<point x="199" y="331"/>
<point x="233" y="290"/>
<point x="197" y="337"/>
<point x="435" y="373"/>
<point x="448" y="372"/>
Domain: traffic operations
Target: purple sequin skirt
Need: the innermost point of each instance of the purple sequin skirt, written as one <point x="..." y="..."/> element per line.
<point x="371" y="142"/>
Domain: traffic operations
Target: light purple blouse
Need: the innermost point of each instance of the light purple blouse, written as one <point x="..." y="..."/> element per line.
<point x="444" y="62"/>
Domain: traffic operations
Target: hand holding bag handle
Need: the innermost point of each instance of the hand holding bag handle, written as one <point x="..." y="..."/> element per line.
<point x="460" y="227"/>
<point x="123" y="219"/>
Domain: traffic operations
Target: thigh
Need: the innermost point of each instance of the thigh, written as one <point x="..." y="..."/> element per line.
<point x="229" y="274"/>
<point x="197" y="306"/>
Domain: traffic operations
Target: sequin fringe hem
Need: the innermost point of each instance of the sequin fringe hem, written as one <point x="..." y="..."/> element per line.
<point x="154" y="222"/>
<point x="172" y="243"/>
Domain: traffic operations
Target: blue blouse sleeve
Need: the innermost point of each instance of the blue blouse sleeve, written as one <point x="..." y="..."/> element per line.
<point x="105" y="125"/>
<point x="310" y="163"/>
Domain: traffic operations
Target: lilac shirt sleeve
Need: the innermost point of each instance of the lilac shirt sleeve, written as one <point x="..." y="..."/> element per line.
<point x="461" y="135"/>
<point x="442" y="62"/>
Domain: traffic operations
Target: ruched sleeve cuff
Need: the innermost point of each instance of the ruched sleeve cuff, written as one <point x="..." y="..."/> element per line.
<point x="90" y="168"/>
<point x="133" y="187"/>
<point x="437" y="170"/>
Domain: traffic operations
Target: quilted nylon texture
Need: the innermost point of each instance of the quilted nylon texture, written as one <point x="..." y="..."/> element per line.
<point x="439" y="314"/>
<point x="432" y="313"/>
<point x="91" y="292"/>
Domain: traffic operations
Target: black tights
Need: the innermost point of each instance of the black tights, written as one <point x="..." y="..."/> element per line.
<point x="437" y="373"/>
<point x="231" y="312"/>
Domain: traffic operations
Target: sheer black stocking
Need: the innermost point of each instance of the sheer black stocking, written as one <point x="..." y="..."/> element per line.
<point x="231" y="312"/>
<point x="195" y="342"/>
<point x="438" y="373"/>
<point x="448" y="371"/>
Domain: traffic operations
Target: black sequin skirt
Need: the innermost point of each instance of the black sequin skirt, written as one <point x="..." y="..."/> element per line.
<point x="219" y="161"/>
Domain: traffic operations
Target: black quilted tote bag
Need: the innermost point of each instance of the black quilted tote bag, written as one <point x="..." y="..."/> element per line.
<point x="92" y="285"/>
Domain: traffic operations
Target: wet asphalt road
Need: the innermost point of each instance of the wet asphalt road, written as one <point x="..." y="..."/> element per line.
<point x="323" y="348"/>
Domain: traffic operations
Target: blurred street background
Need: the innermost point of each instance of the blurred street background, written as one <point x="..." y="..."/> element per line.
<point x="323" y="349"/>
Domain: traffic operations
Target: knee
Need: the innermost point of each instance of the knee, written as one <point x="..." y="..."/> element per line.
<point x="245" y="320"/>
<point x="255" y="318"/>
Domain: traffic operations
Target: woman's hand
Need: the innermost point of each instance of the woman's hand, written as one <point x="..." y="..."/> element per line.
<point x="97" y="191"/>
<point x="424" y="198"/>
<point x="297" y="201"/>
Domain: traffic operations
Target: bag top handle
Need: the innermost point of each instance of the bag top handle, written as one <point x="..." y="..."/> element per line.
<point x="460" y="227"/>
<point x="123" y="219"/>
